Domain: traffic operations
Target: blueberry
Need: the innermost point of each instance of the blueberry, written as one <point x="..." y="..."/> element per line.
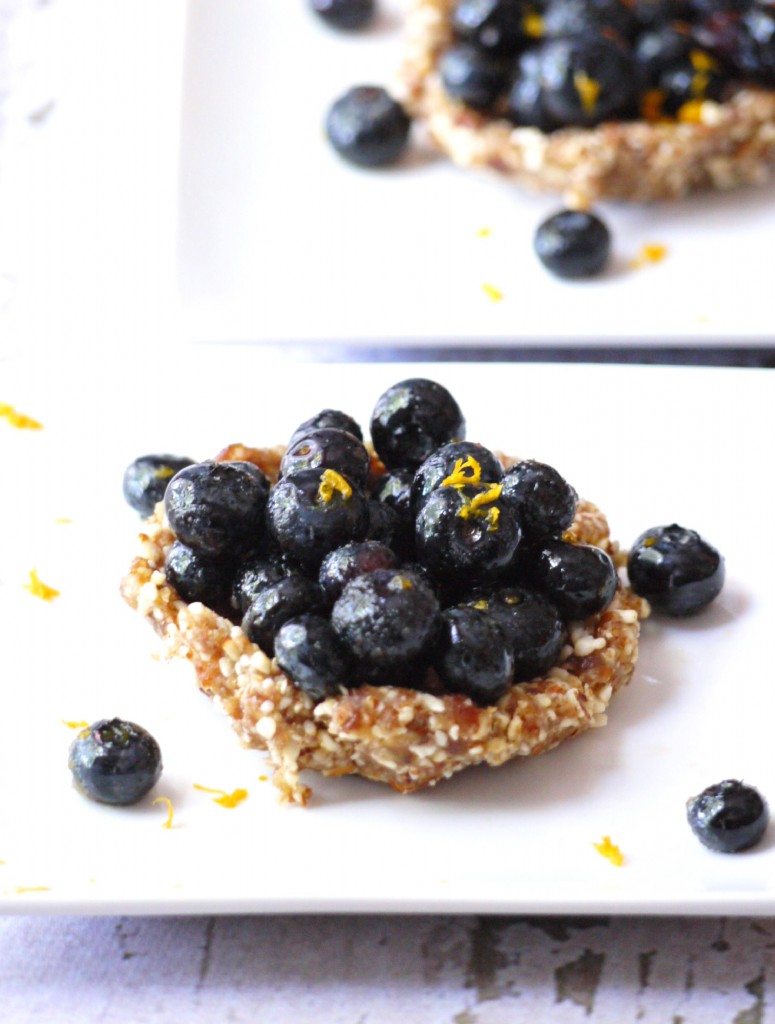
<point x="728" y="817"/>
<point x="694" y="79"/>
<point x="388" y="619"/>
<point x="532" y="625"/>
<point x="218" y="507"/>
<point x="573" y="244"/>
<point x="345" y="563"/>
<point x="465" y="535"/>
<point x="755" y="49"/>
<point x="467" y="461"/>
<point x="308" y="650"/>
<point x="314" y="512"/>
<point x="497" y="26"/>
<point x="368" y="127"/>
<point x="328" y="448"/>
<point x="544" y="502"/>
<point x="327" y="418"/>
<point x="473" y="76"/>
<point x="251" y="577"/>
<point x="345" y="14"/>
<point x="276" y="604"/>
<point x="412" y="419"/>
<point x="579" y="579"/>
<point x="576" y="17"/>
<point x="661" y="46"/>
<point x="115" y="762"/>
<point x="473" y="655"/>
<point x="677" y="571"/>
<point x="146" y="479"/>
<point x="394" y="491"/>
<point x="587" y="79"/>
<point x="525" y="100"/>
<point x="385" y="526"/>
<point x="198" y="577"/>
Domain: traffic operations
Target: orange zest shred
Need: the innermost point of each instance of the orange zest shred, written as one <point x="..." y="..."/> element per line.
<point x="484" y="232"/>
<point x="475" y="506"/>
<point x="170" y="810"/>
<point x="610" y="851"/>
<point x="223" y="798"/>
<point x="650" y="252"/>
<point x="18" y="419"/>
<point x="63" y="520"/>
<point x="492" y="292"/>
<point x="74" y="724"/>
<point x="19" y="889"/>
<point x="459" y="478"/>
<point x="332" y="481"/>
<point x="588" y="90"/>
<point x="40" y="589"/>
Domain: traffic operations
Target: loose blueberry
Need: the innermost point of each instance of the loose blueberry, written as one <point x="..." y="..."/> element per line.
<point x="368" y="127"/>
<point x="314" y="512"/>
<point x="345" y="14"/>
<point x="473" y="655"/>
<point x="333" y="418"/>
<point x="532" y="625"/>
<point x="728" y="817"/>
<point x="412" y="419"/>
<point x="308" y="650"/>
<point x="388" y="620"/>
<point x="115" y="762"/>
<point x="198" y="577"/>
<point x="276" y="604"/>
<point x="218" y="507"/>
<point x="677" y="571"/>
<point x="544" y="502"/>
<point x="573" y="244"/>
<point x="579" y="579"/>
<point x="328" y="448"/>
<point x="146" y="479"/>
<point x="344" y="564"/>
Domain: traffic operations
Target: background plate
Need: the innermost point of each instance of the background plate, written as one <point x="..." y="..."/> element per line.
<point x="650" y="445"/>
<point x="282" y="241"/>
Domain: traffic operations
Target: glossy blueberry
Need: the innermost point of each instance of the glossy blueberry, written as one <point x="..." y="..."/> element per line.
<point x="218" y="507"/>
<point x="473" y="76"/>
<point x="327" y="418"/>
<point x="695" y="78"/>
<point x="465" y="535"/>
<point x="385" y="526"/>
<point x="494" y="26"/>
<point x="755" y="44"/>
<point x="579" y="579"/>
<point x="532" y="625"/>
<point x="473" y="655"/>
<point x="677" y="571"/>
<point x="367" y="127"/>
<point x="115" y="762"/>
<point x="308" y="650"/>
<point x="276" y="604"/>
<point x="544" y="502"/>
<point x="660" y="47"/>
<point x="314" y="512"/>
<point x="251" y="577"/>
<point x="464" y="462"/>
<point x="199" y="577"/>
<point x="573" y="244"/>
<point x="587" y="79"/>
<point x="328" y="448"/>
<point x="728" y="817"/>
<point x="394" y="491"/>
<point x="412" y="419"/>
<point x="344" y="564"/>
<point x="345" y="14"/>
<point x="525" y="101"/>
<point x="388" y="620"/>
<point x="146" y="479"/>
<point x="579" y="17"/>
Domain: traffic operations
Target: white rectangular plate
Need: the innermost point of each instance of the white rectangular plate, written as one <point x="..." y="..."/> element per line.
<point x="280" y="240"/>
<point x="650" y="445"/>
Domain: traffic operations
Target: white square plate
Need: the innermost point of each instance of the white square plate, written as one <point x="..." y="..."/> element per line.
<point x="650" y="445"/>
<point x="281" y="241"/>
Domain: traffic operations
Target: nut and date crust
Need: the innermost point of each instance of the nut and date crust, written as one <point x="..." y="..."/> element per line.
<point x="406" y="738"/>
<point x="731" y="144"/>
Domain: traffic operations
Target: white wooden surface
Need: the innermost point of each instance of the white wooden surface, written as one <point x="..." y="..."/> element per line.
<point x="72" y="221"/>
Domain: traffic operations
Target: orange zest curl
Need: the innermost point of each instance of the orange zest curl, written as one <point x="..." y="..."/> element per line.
<point x="40" y="589"/>
<point x="170" y="811"/>
<point x="330" y="482"/>
<point x="610" y="851"/>
<point x="18" y="419"/>
<point x="223" y="798"/>
<point x="459" y="478"/>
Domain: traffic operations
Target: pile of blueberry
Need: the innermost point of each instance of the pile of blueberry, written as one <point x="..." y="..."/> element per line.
<point x="558" y="63"/>
<point x="445" y="560"/>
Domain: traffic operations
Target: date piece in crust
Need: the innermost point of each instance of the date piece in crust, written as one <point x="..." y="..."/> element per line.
<point x="406" y="738"/>
<point x="730" y="144"/>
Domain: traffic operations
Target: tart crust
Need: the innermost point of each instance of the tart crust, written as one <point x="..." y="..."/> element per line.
<point x="407" y="738"/>
<point x="730" y="144"/>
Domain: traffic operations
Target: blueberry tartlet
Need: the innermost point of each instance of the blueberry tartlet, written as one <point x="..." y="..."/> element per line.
<point x="622" y="99"/>
<point x="447" y="608"/>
